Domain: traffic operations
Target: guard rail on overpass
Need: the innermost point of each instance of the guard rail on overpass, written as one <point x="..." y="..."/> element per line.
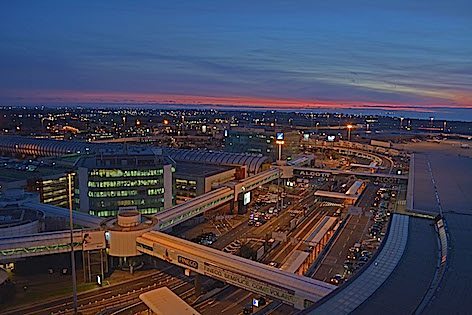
<point x="296" y="290"/>
<point x="215" y="198"/>
<point x="195" y="206"/>
<point x="255" y="181"/>
<point x="12" y="248"/>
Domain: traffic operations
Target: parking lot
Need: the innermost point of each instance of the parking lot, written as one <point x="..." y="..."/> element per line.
<point x="359" y="239"/>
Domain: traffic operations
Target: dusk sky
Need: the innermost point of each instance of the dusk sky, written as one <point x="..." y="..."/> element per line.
<point x="393" y="54"/>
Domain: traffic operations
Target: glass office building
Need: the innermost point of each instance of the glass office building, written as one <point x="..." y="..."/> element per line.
<point x="136" y="179"/>
<point x="52" y="189"/>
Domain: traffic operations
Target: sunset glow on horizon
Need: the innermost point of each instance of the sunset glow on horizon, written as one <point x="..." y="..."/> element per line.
<point x="93" y="97"/>
<point x="391" y="55"/>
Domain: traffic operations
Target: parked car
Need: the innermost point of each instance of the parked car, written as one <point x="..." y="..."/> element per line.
<point x="336" y="279"/>
<point x="273" y="264"/>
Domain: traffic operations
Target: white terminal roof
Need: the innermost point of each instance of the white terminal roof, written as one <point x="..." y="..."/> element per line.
<point x="333" y="194"/>
<point x="354" y="188"/>
<point x="294" y="261"/>
<point x="163" y="301"/>
<point x="371" y="165"/>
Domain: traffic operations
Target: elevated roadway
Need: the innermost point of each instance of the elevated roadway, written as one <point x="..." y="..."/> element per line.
<point x="321" y="172"/>
<point x="357" y="290"/>
<point x="433" y="275"/>
<point x="298" y="291"/>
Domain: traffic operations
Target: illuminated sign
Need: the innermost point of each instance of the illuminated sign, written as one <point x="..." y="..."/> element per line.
<point x="279" y="136"/>
<point x="247" y="198"/>
<point x="306" y="136"/>
<point x="255" y="302"/>
<point x="331" y="138"/>
<point x="313" y="174"/>
<point x="187" y="262"/>
<point x="252" y="284"/>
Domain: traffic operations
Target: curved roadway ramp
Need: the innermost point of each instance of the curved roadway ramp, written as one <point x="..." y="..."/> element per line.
<point x="452" y="181"/>
<point x="434" y="274"/>
<point x="354" y="293"/>
<point x="405" y="289"/>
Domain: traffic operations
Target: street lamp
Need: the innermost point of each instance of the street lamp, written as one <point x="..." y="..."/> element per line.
<point x="349" y="127"/>
<point x="279" y="140"/>
<point x="72" y="256"/>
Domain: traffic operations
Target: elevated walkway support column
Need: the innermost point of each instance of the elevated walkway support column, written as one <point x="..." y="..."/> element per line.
<point x="198" y="284"/>
<point x="233" y="207"/>
<point x="242" y="209"/>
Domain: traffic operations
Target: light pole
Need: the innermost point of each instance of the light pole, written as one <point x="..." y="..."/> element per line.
<point x="349" y="127"/>
<point x="72" y="256"/>
<point x="279" y="140"/>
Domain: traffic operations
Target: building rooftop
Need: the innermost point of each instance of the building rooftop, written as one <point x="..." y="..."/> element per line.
<point x="199" y="169"/>
<point x="47" y="147"/>
<point x="14" y="170"/>
<point x="253" y="162"/>
<point x="128" y="158"/>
